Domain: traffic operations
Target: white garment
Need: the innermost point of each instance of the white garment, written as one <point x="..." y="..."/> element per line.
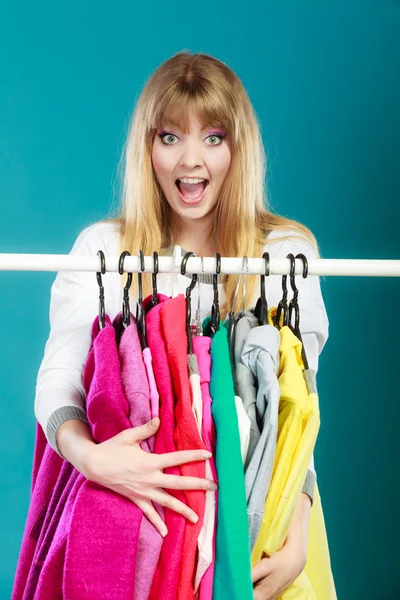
<point x="74" y="304"/>
<point x="244" y="427"/>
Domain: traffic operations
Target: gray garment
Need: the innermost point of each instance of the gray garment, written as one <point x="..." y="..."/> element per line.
<point x="246" y="388"/>
<point x="246" y="385"/>
<point x="261" y="356"/>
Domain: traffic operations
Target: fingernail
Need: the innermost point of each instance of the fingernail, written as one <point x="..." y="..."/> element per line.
<point x="213" y="486"/>
<point x="164" y="531"/>
<point x="194" y="518"/>
<point x="207" y="454"/>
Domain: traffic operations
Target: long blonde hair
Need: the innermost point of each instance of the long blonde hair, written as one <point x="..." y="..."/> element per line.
<point x="199" y="84"/>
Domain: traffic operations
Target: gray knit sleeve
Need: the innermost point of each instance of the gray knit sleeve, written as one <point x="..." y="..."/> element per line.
<point x="57" y="418"/>
<point x="309" y="484"/>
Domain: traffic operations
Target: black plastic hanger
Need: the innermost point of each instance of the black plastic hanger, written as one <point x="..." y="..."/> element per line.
<point x="140" y="315"/>
<point x="188" y="300"/>
<point x="294" y="305"/>
<point x="126" y="313"/>
<point x="215" y="314"/>
<point x="102" y="309"/>
<point x="154" y="300"/>
<point x="283" y="305"/>
<point x="261" y="309"/>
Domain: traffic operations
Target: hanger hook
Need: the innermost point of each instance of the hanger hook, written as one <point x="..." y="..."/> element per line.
<point x="305" y="264"/>
<point x="215" y="314"/>
<point x="102" y="310"/>
<point x="140" y="318"/>
<point x="183" y="270"/>
<point x="283" y="306"/>
<point x="125" y="304"/>
<point x="261" y="308"/>
<point x="140" y="284"/>
<point x="154" y="299"/>
<point x="293" y="304"/>
<point x="188" y="300"/>
<point x="297" y="325"/>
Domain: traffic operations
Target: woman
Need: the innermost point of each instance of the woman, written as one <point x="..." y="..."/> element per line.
<point x="194" y="176"/>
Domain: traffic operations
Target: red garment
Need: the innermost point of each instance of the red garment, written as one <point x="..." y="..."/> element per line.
<point x="165" y="580"/>
<point x="186" y="434"/>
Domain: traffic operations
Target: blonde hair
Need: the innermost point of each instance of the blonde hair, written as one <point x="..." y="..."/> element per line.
<point x="198" y="84"/>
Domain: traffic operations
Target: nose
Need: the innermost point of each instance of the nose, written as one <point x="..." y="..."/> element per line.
<point x="192" y="154"/>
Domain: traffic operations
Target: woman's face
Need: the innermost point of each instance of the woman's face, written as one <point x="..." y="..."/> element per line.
<point x="203" y="154"/>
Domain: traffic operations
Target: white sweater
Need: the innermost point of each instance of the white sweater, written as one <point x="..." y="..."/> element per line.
<point x="74" y="304"/>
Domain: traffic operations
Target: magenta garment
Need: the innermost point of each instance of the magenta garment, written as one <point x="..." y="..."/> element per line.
<point x="102" y="541"/>
<point x="136" y="388"/>
<point x="154" y="396"/>
<point x="201" y="348"/>
<point x="47" y="465"/>
<point x="165" y="581"/>
<point x="50" y="583"/>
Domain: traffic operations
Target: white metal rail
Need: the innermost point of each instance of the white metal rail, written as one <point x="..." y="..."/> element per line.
<point x="171" y="264"/>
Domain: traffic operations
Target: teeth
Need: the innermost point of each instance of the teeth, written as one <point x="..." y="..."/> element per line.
<point x="191" y="180"/>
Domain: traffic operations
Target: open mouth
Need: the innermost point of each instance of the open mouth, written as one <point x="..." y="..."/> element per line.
<point x="204" y="183"/>
<point x="192" y="193"/>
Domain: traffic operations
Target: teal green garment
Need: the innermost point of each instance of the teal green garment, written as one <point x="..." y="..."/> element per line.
<point x="232" y="574"/>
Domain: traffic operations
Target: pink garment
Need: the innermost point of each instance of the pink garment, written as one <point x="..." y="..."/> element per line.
<point x="45" y="471"/>
<point x="135" y="386"/>
<point x="205" y="539"/>
<point x="65" y="507"/>
<point x="165" y="581"/>
<point x="201" y="348"/>
<point x="102" y="540"/>
<point x="186" y="435"/>
<point x="154" y="396"/>
<point x="51" y="578"/>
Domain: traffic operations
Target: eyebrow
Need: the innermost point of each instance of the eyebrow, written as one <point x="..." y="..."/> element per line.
<point x="172" y="126"/>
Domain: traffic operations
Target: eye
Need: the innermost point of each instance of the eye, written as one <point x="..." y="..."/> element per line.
<point x="216" y="135"/>
<point x="167" y="134"/>
<point x="164" y="135"/>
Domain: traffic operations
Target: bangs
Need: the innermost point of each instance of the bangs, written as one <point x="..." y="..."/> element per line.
<point x="176" y="109"/>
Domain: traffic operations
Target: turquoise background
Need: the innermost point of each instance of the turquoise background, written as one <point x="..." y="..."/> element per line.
<point x="324" y="80"/>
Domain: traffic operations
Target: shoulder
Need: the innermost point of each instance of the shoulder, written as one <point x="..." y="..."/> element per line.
<point x="281" y="242"/>
<point x="102" y="235"/>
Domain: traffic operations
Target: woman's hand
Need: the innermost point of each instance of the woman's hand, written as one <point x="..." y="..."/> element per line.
<point x="273" y="575"/>
<point x="122" y="466"/>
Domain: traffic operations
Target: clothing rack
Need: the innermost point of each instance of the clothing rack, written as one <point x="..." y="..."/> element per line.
<point x="171" y="264"/>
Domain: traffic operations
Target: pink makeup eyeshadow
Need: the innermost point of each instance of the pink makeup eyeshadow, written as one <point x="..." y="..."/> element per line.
<point x="219" y="131"/>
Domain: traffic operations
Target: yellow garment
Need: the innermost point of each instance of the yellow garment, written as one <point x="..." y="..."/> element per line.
<point x="298" y="426"/>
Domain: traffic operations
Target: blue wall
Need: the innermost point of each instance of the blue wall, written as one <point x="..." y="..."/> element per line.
<point x="324" y="80"/>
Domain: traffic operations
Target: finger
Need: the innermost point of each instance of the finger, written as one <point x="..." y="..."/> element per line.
<point x="165" y="499"/>
<point x="180" y="482"/>
<point x="261" y="569"/>
<point x="143" y="432"/>
<point x="150" y="512"/>
<point x="181" y="457"/>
